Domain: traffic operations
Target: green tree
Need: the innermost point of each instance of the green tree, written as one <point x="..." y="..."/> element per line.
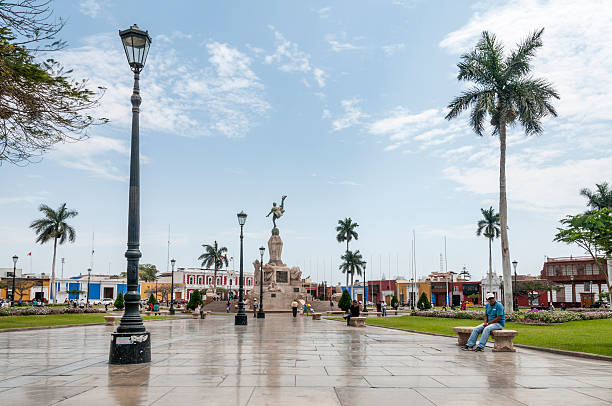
<point x="475" y="298"/>
<point x="352" y="263"/>
<point x="54" y="227"/>
<point x="147" y="272"/>
<point x="195" y="300"/>
<point x="119" y="302"/>
<point x="40" y="104"/>
<point x="599" y="199"/>
<point x="591" y="231"/>
<point x="423" y="300"/>
<point x="394" y="302"/>
<point x="488" y="226"/>
<point x="504" y="91"/>
<point x="345" y="300"/>
<point x="214" y="256"/>
<point x="346" y="232"/>
<point x="152" y="299"/>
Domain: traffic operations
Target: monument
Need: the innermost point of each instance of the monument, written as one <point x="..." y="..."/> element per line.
<point x="281" y="284"/>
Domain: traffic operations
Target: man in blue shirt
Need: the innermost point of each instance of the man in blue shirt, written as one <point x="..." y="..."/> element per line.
<point x="494" y="319"/>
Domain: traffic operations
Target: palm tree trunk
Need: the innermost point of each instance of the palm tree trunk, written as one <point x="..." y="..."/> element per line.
<point x="347" y="278"/>
<point x="215" y="280"/>
<point x="490" y="267"/>
<point x="51" y="290"/>
<point x="503" y="220"/>
<point x="352" y="286"/>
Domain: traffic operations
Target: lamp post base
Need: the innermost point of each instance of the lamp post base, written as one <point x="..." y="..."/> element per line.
<point x="261" y="314"/>
<point x="128" y="348"/>
<point x="171" y="311"/>
<point x="240" y="319"/>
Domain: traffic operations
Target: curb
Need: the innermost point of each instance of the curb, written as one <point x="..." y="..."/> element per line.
<point x="525" y="346"/>
<point x="8" y="330"/>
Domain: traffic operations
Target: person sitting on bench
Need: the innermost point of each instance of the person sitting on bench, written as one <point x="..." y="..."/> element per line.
<point x="494" y="319"/>
<point x="354" y="312"/>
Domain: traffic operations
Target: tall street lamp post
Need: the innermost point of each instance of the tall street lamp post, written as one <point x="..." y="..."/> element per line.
<point x="365" y="288"/>
<point x="452" y="303"/>
<point x="131" y="343"/>
<point x="88" y="280"/>
<point x="515" y="297"/>
<point x="412" y="293"/>
<point x="171" y="311"/>
<point x="15" y="258"/>
<point x="241" y="317"/>
<point x="260" y="312"/>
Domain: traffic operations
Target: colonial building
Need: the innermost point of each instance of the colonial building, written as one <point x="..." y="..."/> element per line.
<point x="580" y="280"/>
<point x="200" y="278"/>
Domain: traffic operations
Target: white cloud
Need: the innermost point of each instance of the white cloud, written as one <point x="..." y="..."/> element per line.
<point x="352" y="115"/>
<point x="90" y="8"/>
<point x="323" y="12"/>
<point x="339" y="42"/>
<point x="334" y="181"/>
<point x="326" y="113"/>
<point x="391" y="49"/>
<point x="35" y="198"/>
<point x="289" y="58"/>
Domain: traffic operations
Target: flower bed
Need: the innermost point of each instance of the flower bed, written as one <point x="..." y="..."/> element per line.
<point x="539" y="316"/>
<point x="43" y="311"/>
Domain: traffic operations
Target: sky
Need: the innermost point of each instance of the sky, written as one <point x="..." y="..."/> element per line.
<point x="338" y="105"/>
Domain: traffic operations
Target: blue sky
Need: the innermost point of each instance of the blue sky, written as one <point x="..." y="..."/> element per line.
<point x="338" y="105"/>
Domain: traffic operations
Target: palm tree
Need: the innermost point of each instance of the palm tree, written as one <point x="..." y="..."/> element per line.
<point x="346" y="232"/>
<point x="600" y="198"/>
<point x="214" y="256"/>
<point x="54" y="227"/>
<point x="504" y="91"/>
<point x="352" y="264"/>
<point x="489" y="227"/>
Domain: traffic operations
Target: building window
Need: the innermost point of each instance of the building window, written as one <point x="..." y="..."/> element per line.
<point x="589" y="269"/>
<point x="550" y="271"/>
<point x="595" y="269"/>
<point x="581" y="269"/>
<point x="587" y="287"/>
<point x="191" y="280"/>
<point x="557" y="270"/>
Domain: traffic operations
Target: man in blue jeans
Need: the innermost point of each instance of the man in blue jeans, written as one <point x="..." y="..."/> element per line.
<point x="494" y="319"/>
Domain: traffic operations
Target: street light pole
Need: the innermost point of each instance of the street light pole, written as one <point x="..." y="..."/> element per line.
<point x="171" y="311"/>
<point x="365" y="289"/>
<point x="15" y="258"/>
<point x="131" y="343"/>
<point x="88" y="280"/>
<point x="515" y="297"/>
<point x="241" y="317"/>
<point x="260" y="312"/>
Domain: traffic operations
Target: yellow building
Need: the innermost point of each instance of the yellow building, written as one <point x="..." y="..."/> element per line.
<point x="406" y="290"/>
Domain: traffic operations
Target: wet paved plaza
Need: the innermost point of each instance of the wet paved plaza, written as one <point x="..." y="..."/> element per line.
<point x="286" y="361"/>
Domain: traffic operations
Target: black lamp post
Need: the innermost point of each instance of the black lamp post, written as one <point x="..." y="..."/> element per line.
<point x="15" y="258"/>
<point x="260" y="312"/>
<point x="88" y="280"/>
<point x="241" y="317"/>
<point x="452" y="303"/>
<point x="365" y="288"/>
<point x="515" y="297"/>
<point x="412" y="294"/>
<point x="171" y="311"/>
<point x="131" y="343"/>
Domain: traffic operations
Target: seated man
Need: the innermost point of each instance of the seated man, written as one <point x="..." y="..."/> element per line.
<point x="494" y="319"/>
<point x="354" y="312"/>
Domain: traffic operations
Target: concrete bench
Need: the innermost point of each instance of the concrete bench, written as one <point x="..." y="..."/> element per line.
<point x="336" y="312"/>
<point x="357" y="321"/>
<point x="110" y="320"/>
<point x="316" y="316"/>
<point x="503" y="338"/>
<point x="371" y="313"/>
<point x="200" y="315"/>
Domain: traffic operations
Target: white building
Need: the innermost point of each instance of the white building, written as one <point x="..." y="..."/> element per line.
<point x="495" y="287"/>
<point x="201" y="278"/>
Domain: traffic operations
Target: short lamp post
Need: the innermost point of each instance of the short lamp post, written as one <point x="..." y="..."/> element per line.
<point x="260" y="312"/>
<point x="15" y="258"/>
<point x="412" y="293"/>
<point x="131" y="343"/>
<point x="452" y="303"/>
<point x="241" y="317"/>
<point x="171" y="311"/>
<point x="514" y="293"/>
<point x="365" y="288"/>
<point x="88" y="280"/>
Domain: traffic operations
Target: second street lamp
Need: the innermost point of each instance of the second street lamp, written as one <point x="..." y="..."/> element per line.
<point x="15" y="258"/>
<point x="365" y="289"/>
<point x="515" y="304"/>
<point x="241" y="317"/>
<point x="260" y="313"/>
<point x="171" y="311"/>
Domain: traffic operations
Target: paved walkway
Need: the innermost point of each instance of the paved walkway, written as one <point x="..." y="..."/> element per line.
<point x="286" y="361"/>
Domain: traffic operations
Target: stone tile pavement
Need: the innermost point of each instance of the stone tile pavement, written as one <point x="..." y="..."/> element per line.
<point x="286" y="361"/>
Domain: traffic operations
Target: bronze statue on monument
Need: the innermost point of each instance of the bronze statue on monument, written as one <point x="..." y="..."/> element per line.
<point x="277" y="212"/>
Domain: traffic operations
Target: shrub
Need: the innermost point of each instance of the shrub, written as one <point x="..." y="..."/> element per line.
<point x="119" y="302"/>
<point x="195" y="300"/>
<point x="152" y="299"/>
<point x="43" y="311"/>
<point x="394" y="302"/>
<point x="345" y="301"/>
<point x="538" y="316"/>
<point x="423" y="299"/>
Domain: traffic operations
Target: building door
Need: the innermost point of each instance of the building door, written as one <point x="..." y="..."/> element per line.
<point x="456" y="300"/>
<point x="108" y="293"/>
<point x="359" y="297"/>
<point x="587" y="299"/>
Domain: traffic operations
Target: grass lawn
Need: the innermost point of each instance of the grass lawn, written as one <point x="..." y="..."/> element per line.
<point x="61" y="319"/>
<point x="592" y="336"/>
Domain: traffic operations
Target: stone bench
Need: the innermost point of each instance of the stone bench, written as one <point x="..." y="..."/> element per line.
<point x="357" y="321"/>
<point x="336" y="312"/>
<point x="110" y="320"/>
<point x="371" y="313"/>
<point x="503" y="338"/>
<point x="200" y="315"/>
<point x="316" y="316"/>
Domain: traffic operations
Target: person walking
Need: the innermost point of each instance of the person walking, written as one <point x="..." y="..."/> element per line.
<point x="384" y="309"/>
<point x="331" y="305"/>
<point x="354" y="312"/>
<point x="156" y="310"/>
<point x="494" y="319"/>
<point x="294" y="306"/>
<point x="255" y="305"/>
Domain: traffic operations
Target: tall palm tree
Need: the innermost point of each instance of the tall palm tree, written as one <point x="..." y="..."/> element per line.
<point x="488" y="226"/>
<point x="54" y="227"/>
<point x="346" y="232"/>
<point x="504" y="91"/>
<point x="353" y="263"/>
<point x="599" y="199"/>
<point x="214" y="256"/>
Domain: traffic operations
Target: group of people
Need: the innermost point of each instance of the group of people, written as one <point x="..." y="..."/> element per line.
<point x="306" y="308"/>
<point x="154" y="307"/>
